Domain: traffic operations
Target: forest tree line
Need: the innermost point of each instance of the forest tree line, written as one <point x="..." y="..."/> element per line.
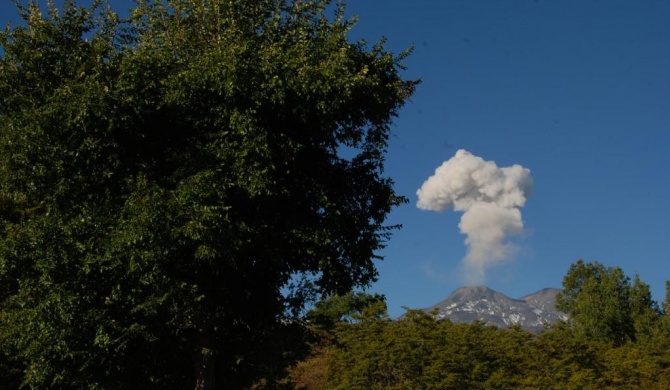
<point x="616" y="337"/>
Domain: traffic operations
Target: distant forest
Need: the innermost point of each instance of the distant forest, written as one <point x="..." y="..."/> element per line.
<point x="617" y="337"/>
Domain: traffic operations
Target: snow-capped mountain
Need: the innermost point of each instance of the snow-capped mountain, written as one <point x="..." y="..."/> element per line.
<point x="479" y="303"/>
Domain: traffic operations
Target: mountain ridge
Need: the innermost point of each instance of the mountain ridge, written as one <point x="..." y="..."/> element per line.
<point x="532" y="312"/>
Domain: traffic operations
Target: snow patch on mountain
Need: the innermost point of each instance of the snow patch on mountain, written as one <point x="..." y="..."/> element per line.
<point x="479" y="303"/>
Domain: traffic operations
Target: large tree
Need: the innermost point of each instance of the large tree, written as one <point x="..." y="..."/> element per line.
<point x="173" y="186"/>
<point x="604" y="305"/>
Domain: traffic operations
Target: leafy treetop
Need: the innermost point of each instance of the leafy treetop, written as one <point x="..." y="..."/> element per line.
<point x="163" y="179"/>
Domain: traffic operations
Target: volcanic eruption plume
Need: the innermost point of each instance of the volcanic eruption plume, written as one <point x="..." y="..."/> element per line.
<point x="489" y="197"/>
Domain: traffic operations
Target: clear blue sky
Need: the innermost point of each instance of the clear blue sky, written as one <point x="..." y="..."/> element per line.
<point x="577" y="91"/>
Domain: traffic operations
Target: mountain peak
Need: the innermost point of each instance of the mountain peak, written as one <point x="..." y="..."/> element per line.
<point x="480" y="303"/>
<point x="474" y="291"/>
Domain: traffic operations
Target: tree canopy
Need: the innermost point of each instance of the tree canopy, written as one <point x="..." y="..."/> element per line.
<point x="604" y="305"/>
<point x="172" y="186"/>
<point x="594" y="350"/>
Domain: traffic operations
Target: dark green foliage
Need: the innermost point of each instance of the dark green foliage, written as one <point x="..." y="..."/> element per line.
<point x="557" y="359"/>
<point x="603" y="304"/>
<point x="644" y="309"/>
<point x="418" y="351"/>
<point x="163" y="179"/>
<point x="665" y="306"/>
<point x="351" y="307"/>
<point x="10" y="372"/>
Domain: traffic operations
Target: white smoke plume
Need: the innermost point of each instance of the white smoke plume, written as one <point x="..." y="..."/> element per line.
<point x="489" y="197"/>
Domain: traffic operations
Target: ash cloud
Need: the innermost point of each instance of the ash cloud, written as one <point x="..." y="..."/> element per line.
<point x="490" y="199"/>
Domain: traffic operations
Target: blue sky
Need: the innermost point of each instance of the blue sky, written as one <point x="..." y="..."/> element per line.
<point x="577" y="91"/>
